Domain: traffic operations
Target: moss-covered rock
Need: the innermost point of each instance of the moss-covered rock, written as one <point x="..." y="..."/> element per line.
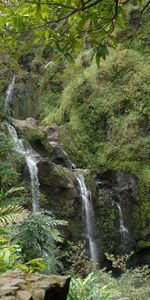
<point x="59" y="185"/>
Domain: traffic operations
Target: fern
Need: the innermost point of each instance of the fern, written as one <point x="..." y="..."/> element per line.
<point x="10" y="214"/>
<point x="9" y="211"/>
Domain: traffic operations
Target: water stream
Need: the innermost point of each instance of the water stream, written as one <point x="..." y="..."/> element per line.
<point x="31" y="159"/>
<point x="89" y="216"/>
<point x="9" y="93"/>
<point x="123" y="230"/>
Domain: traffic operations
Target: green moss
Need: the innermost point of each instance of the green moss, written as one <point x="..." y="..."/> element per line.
<point x="32" y="135"/>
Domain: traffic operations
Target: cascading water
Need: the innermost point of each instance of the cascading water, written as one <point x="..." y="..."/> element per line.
<point x="31" y="158"/>
<point x="123" y="230"/>
<point x="89" y="216"/>
<point x="9" y="93"/>
<point x="71" y="164"/>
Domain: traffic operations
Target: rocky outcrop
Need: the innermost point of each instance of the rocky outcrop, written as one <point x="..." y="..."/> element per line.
<point x="44" y="140"/>
<point x="29" y="123"/>
<point x="17" y="285"/>
<point x="59" y="185"/>
<point x="61" y="189"/>
<point x="122" y="188"/>
<point x="116" y="187"/>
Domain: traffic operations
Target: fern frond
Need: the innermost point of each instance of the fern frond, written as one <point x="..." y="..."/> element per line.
<point x="10" y="214"/>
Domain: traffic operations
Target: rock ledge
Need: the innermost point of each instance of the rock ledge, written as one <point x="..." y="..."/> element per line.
<point x="16" y="285"/>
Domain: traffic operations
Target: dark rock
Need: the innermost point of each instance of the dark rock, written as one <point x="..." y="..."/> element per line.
<point x="59" y="186"/>
<point x="25" y="61"/>
<point x="121" y="188"/>
<point x="126" y="183"/>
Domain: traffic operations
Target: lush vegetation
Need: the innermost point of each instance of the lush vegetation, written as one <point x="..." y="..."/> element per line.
<point x="102" y="286"/>
<point x="103" y="116"/>
<point x="67" y="26"/>
<point x="104" y="113"/>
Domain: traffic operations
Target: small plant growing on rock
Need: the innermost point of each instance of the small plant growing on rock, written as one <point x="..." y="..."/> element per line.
<point x="120" y="261"/>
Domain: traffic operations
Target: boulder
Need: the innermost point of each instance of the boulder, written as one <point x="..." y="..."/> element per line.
<point x="59" y="185"/>
<point x="16" y="285"/>
<point x="27" y="123"/>
<point x="44" y="140"/>
<point x="61" y="189"/>
<point x="61" y="196"/>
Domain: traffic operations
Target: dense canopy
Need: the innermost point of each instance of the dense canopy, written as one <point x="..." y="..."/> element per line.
<point x="67" y="25"/>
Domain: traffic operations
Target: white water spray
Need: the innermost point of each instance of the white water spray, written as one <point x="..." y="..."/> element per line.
<point x="89" y="216"/>
<point x="9" y="93"/>
<point x="31" y="159"/>
<point x="123" y="230"/>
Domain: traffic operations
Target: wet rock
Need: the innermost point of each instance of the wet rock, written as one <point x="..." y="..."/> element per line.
<point x="61" y="196"/>
<point x="116" y="187"/>
<point x="44" y="140"/>
<point x="125" y="183"/>
<point x="58" y="184"/>
<point x="25" y="61"/>
<point x="23" y="286"/>
<point x="52" y="133"/>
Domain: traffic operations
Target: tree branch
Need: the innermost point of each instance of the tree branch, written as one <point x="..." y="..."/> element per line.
<point x="144" y="8"/>
<point x="116" y="7"/>
<point x="75" y="9"/>
<point x="83" y="4"/>
<point x="50" y="4"/>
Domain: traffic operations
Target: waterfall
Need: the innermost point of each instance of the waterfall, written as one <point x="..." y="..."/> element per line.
<point x="31" y="159"/>
<point x="89" y="216"/>
<point x="71" y="164"/>
<point x="123" y="230"/>
<point x="9" y="93"/>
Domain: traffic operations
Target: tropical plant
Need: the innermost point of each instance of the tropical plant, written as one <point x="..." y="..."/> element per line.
<point x="133" y="284"/>
<point x="10" y="212"/>
<point x="76" y="259"/>
<point x="10" y="164"/>
<point x="67" y="25"/>
<point x="10" y="258"/>
<point x="88" y="289"/>
<point x="119" y="261"/>
<point x="37" y="236"/>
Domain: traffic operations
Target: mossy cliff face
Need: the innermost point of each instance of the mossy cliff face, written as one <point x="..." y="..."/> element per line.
<point x="100" y="118"/>
<point x="104" y="117"/>
<point x="59" y="186"/>
<point x="116" y="188"/>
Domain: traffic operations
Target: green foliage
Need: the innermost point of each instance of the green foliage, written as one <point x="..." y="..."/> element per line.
<point x="37" y="236"/>
<point x="133" y="284"/>
<point x="134" y="37"/>
<point x="113" y="134"/>
<point x="10" y="164"/>
<point x="77" y="260"/>
<point x="119" y="261"/>
<point x="10" y="212"/>
<point x="10" y="258"/>
<point x="66" y="26"/>
<point x="88" y="289"/>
